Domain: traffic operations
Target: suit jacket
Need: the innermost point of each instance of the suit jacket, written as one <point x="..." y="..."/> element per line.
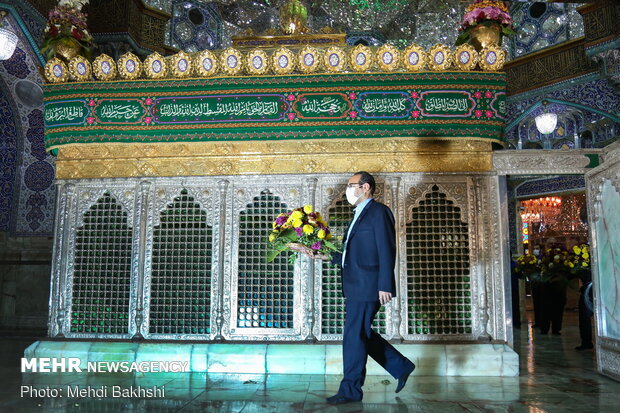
<point x="371" y="254"/>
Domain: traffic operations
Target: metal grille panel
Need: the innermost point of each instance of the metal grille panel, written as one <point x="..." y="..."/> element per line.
<point x="181" y="270"/>
<point x="102" y="270"/>
<point x="266" y="290"/>
<point x="438" y="276"/>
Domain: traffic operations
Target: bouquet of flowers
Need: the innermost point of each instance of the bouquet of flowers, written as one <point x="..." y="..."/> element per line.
<point x="301" y="230"/>
<point x="555" y="265"/>
<point x="527" y="266"/>
<point x="486" y="13"/>
<point x="66" y="28"/>
<point x="579" y="264"/>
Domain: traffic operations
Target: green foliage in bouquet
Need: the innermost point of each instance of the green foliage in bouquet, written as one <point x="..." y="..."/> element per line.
<point x="301" y="230"/>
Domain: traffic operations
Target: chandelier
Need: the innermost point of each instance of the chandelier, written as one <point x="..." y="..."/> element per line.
<point x="540" y="209"/>
<point x="8" y="40"/>
<point x="546" y="122"/>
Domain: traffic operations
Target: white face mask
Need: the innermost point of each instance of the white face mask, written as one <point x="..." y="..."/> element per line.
<point x="351" y="197"/>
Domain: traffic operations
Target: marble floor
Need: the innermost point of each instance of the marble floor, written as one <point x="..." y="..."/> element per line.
<point x="554" y="378"/>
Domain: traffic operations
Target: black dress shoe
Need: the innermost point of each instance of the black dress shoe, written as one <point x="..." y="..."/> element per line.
<point x="584" y="347"/>
<point x="338" y="399"/>
<point x="402" y="380"/>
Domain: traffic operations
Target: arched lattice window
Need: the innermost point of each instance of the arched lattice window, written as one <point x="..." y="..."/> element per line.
<point x="266" y="289"/>
<point x="181" y="270"/>
<point x="102" y="270"/>
<point x="438" y="269"/>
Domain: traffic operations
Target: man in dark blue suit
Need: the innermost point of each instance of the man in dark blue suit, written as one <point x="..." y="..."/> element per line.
<point x="368" y="283"/>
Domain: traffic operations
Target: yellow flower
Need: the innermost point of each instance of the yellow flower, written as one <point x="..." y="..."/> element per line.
<point x="308" y="209"/>
<point x="297" y="223"/>
<point x="585" y="256"/>
<point x="584" y="264"/>
<point x="297" y="215"/>
<point x="329" y="236"/>
<point x="272" y="237"/>
<point x="308" y="229"/>
<point x="571" y="265"/>
<point x="321" y="234"/>
<point x="576" y="250"/>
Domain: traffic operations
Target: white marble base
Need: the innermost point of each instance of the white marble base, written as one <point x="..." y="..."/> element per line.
<point x="258" y="358"/>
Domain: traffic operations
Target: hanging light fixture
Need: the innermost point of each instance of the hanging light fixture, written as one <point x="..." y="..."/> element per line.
<point x="546" y="121"/>
<point x="8" y="40"/>
<point x="540" y="209"/>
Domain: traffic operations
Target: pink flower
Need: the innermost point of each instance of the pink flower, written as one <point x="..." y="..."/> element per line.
<point x="290" y="116"/>
<point x="477" y="95"/>
<point x="353" y="114"/>
<point x="91" y="103"/>
<point x="488" y="95"/>
<point x="299" y="232"/>
<point x="492" y="12"/>
<point x="148" y="119"/>
<point x="415" y="114"/>
<point x="290" y="97"/>
<point x="478" y="113"/>
<point x="352" y="96"/>
<point x="148" y="101"/>
<point x="281" y="220"/>
<point x="488" y="114"/>
<point x="317" y="246"/>
<point x="415" y="95"/>
<point x="90" y="120"/>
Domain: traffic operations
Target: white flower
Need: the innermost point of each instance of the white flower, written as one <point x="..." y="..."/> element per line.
<point x="75" y="4"/>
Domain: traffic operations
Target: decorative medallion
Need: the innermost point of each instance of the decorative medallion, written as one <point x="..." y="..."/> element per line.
<point x="257" y="62"/>
<point x="466" y="57"/>
<point x="360" y="58"/>
<point x="414" y="58"/>
<point x="155" y="66"/>
<point x="283" y="61"/>
<point x="56" y="71"/>
<point x="205" y="64"/>
<point x="492" y="58"/>
<point x="104" y="67"/>
<point x="387" y="57"/>
<point x="129" y="66"/>
<point x="334" y="59"/>
<point x="439" y="58"/>
<point x="180" y="65"/>
<point x="80" y="68"/>
<point x="231" y="61"/>
<point x="309" y="59"/>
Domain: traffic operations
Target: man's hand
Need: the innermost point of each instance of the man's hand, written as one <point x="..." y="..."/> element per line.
<point x="384" y="297"/>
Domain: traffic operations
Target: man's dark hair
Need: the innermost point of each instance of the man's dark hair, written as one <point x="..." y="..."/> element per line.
<point x="366" y="178"/>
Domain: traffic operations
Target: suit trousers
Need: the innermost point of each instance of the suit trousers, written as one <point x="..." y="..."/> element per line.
<point x="359" y="342"/>
<point x="554" y="300"/>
